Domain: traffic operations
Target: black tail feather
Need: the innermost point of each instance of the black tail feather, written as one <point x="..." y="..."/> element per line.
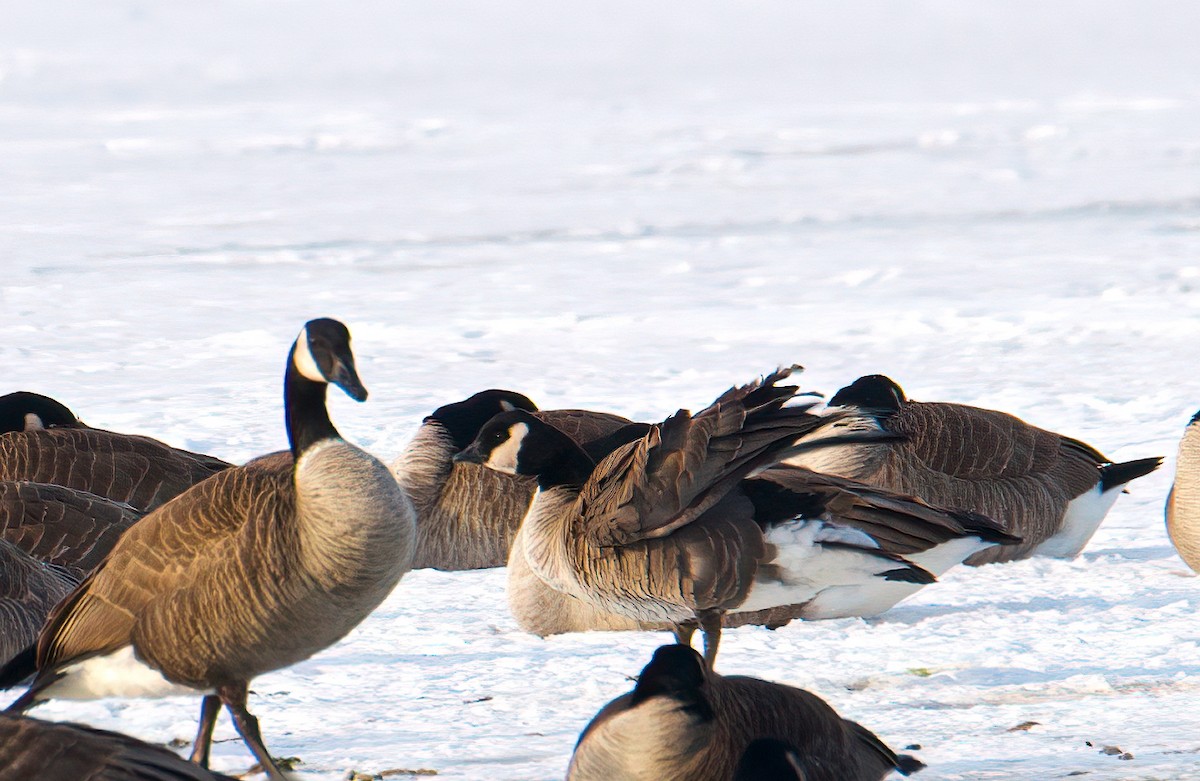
<point x="20" y="669"/>
<point x="1117" y="475"/>
<point x="907" y="764"/>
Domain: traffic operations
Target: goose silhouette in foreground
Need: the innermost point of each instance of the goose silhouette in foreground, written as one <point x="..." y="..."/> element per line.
<point x="255" y="569"/>
<point x="1051" y="491"/>
<point x="665" y="530"/>
<point x="684" y="722"/>
<point x="767" y="759"/>
<point x="1183" y="503"/>
<point x="42" y="441"/>
<point x="29" y="589"/>
<point x="36" y="750"/>
<point x="62" y="526"/>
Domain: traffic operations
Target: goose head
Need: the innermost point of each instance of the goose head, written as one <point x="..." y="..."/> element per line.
<point x="26" y="411"/>
<point x="674" y="670"/>
<point x="874" y="391"/>
<point x="463" y="419"/>
<point x="319" y="357"/>
<point x="518" y="443"/>
<point x="767" y="759"/>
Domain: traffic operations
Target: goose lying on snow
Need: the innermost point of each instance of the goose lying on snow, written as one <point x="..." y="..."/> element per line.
<point x="53" y="446"/>
<point x="664" y="530"/>
<point x="252" y="570"/>
<point x="1183" y="503"/>
<point x="34" y="749"/>
<point x="1047" y="489"/>
<point x="686" y="723"/>
<point x="72" y="529"/>
<point x="28" y="590"/>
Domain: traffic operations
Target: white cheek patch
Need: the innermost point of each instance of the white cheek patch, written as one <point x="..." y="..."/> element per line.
<point x="304" y="361"/>
<point x="34" y="422"/>
<point x="504" y="457"/>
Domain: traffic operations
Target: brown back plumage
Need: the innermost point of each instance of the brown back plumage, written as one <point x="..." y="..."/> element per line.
<point x="63" y="526"/>
<point x="29" y="589"/>
<point x="33" y="749"/>
<point x="137" y="470"/>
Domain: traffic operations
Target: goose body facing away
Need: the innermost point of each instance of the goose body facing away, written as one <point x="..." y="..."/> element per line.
<point x="687" y="723"/>
<point x="54" y="446"/>
<point x="35" y="749"/>
<point x="1049" y="490"/>
<point x="29" y="589"/>
<point x="663" y="530"/>
<point x="62" y="526"/>
<point x="252" y="570"/>
<point x="1183" y="503"/>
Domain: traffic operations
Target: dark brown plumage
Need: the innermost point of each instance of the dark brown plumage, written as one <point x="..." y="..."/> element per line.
<point x="686" y="723"/>
<point x="64" y="526"/>
<point x="29" y="589"/>
<point x="35" y="750"/>
<point x="1049" y="490"/>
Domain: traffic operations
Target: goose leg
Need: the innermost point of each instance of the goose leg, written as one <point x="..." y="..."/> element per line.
<point x="710" y="626"/>
<point x="209" y="708"/>
<point x="234" y="698"/>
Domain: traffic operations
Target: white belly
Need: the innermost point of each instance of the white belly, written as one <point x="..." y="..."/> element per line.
<point x="1083" y="517"/>
<point x="119" y="674"/>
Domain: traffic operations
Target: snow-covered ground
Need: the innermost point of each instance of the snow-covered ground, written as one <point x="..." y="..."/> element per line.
<point x="631" y="206"/>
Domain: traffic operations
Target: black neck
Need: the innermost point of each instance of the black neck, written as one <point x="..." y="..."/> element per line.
<point x="566" y="464"/>
<point x="304" y="405"/>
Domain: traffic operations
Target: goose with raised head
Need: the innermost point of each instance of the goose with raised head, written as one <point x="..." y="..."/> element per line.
<point x="1183" y="502"/>
<point x="42" y="441"/>
<point x="257" y="568"/>
<point x="48" y="751"/>
<point x="661" y="529"/>
<point x="1050" y="490"/>
<point x="684" y="722"/>
<point x="29" y="589"/>
<point x="62" y="526"/>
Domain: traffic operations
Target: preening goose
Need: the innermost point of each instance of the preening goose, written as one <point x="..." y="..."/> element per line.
<point x="33" y="749"/>
<point x="28" y="590"/>
<point x="662" y="529"/>
<point x="42" y="441"/>
<point x="252" y="570"/>
<point x="684" y="722"/>
<point x="1183" y="503"/>
<point x="1051" y="491"/>
<point x="72" y="529"/>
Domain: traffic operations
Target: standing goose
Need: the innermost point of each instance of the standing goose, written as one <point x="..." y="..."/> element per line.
<point x="72" y="529"/>
<point x="1183" y="503"/>
<point x="661" y="530"/>
<point x="1051" y="491"/>
<point x="252" y="570"/>
<point x="29" y="589"/>
<point x="42" y="441"/>
<point x="34" y="749"/>
<point x="686" y="723"/>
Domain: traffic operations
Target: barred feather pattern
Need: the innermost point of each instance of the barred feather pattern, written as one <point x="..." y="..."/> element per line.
<point x="137" y="470"/>
<point x="35" y="749"/>
<point x="29" y="589"/>
<point x="1183" y="505"/>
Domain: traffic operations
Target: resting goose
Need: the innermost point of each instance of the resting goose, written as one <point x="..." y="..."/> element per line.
<point x="72" y="529"/>
<point x="42" y="441"/>
<point x="1051" y="491"/>
<point x="255" y="569"/>
<point x="28" y="590"/>
<point x="767" y="759"/>
<point x="663" y="530"/>
<point x="686" y="723"/>
<point x="1183" y="503"/>
<point x="33" y="749"/>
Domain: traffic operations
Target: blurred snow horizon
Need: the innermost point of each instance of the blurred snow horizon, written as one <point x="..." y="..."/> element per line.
<point x="632" y="206"/>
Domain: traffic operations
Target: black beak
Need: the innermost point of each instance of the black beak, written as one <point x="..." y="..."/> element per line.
<point x="469" y="455"/>
<point x="346" y="378"/>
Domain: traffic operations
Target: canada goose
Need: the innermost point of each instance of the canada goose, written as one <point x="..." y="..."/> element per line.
<point x="252" y="570"/>
<point x="663" y="530"/>
<point x="1183" y="503"/>
<point x="767" y="759"/>
<point x="687" y="723"/>
<point x="26" y="411"/>
<point x="28" y="590"/>
<point x="35" y="749"/>
<point x="62" y="526"/>
<point x="1047" y="489"/>
<point x="42" y="441"/>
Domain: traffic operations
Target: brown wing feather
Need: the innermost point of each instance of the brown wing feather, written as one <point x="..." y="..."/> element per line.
<point x="583" y="426"/>
<point x="28" y="591"/>
<point x="63" y="526"/>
